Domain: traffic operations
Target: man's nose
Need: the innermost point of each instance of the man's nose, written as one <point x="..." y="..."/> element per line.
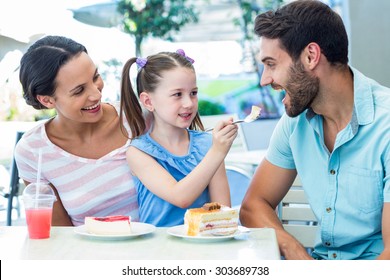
<point x="265" y="79"/>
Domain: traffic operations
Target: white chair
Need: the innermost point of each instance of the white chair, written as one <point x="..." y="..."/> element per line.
<point x="297" y="216"/>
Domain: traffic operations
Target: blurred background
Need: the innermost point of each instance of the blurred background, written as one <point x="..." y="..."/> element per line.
<point x="218" y="34"/>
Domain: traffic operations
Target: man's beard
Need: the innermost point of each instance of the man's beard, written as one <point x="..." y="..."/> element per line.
<point x="302" y="89"/>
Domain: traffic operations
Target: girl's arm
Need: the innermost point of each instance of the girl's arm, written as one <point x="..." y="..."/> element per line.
<point x="184" y="192"/>
<point x="219" y="187"/>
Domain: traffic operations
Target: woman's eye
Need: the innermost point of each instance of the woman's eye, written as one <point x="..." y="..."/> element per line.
<point x="97" y="76"/>
<point x="78" y="91"/>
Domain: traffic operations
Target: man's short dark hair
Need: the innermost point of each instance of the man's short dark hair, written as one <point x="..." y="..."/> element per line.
<point x="302" y="22"/>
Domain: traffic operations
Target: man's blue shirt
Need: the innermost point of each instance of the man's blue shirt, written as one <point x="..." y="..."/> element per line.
<point x="347" y="187"/>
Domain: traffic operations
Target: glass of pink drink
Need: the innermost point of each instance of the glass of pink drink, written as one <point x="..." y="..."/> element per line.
<point x="39" y="222"/>
<point x="38" y="204"/>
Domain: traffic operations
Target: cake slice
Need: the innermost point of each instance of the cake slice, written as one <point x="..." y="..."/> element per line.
<point x="211" y="219"/>
<point x="110" y="225"/>
<point x="255" y="112"/>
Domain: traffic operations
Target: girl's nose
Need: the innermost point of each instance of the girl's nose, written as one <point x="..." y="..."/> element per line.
<point x="188" y="102"/>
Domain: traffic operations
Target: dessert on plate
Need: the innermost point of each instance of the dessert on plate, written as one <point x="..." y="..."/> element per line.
<point x="110" y="225"/>
<point x="211" y="219"/>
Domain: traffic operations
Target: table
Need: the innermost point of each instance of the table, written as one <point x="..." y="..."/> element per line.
<point x="65" y="244"/>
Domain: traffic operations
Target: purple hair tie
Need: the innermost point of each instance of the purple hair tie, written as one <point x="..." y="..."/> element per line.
<point x="141" y="62"/>
<point x="181" y="52"/>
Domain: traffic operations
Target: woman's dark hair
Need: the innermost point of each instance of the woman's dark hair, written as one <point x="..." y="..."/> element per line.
<point x="39" y="66"/>
<point x="148" y="78"/>
<point x="304" y="21"/>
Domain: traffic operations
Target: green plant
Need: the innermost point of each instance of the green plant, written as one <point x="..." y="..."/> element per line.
<point x="45" y="114"/>
<point x="12" y="113"/>
<point x="217" y="87"/>
<point x="158" y="18"/>
<point x="208" y="108"/>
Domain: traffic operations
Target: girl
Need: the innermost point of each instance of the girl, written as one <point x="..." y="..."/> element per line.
<point x="175" y="167"/>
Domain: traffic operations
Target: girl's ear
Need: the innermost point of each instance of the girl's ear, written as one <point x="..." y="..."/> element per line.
<point x="146" y="101"/>
<point x="47" y="101"/>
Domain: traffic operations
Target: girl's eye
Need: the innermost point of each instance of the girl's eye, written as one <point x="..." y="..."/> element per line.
<point x="178" y="94"/>
<point x="194" y="93"/>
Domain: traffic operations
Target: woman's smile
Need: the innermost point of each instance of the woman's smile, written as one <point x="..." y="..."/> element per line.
<point x="92" y="109"/>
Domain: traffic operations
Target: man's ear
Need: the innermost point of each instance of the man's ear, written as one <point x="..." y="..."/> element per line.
<point x="146" y="101"/>
<point x="312" y="55"/>
<point x="46" y="101"/>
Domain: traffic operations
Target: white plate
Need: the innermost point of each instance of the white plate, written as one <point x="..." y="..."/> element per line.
<point x="179" y="231"/>
<point x="137" y="229"/>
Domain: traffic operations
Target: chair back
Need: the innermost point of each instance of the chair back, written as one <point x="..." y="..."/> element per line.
<point x="14" y="186"/>
<point x="239" y="180"/>
<point x="297" y="216"/>
<point x="257" y="134"/>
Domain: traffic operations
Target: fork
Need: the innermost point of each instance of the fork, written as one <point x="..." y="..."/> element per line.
<point x="254" y="115"/>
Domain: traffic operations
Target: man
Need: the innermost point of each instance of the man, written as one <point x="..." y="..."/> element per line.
<point x="335" y="135"/>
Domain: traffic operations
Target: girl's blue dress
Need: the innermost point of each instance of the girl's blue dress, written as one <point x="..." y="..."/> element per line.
<point x="153" y="209"/>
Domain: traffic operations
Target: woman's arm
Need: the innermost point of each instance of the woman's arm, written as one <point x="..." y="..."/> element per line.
<point x="60" y="217"/>
<point x="184" y="192"/>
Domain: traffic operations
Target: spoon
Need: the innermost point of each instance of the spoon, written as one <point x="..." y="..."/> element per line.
<point x="254" y="115"/>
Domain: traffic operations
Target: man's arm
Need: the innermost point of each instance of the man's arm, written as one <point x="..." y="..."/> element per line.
<point x="269" y="185"/>
<point x="386" y="232"/>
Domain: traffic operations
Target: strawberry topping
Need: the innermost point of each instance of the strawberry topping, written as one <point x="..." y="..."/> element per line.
<point x="112" y="218"/>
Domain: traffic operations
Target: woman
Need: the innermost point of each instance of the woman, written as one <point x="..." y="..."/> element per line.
<point x="83" y="148"/>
